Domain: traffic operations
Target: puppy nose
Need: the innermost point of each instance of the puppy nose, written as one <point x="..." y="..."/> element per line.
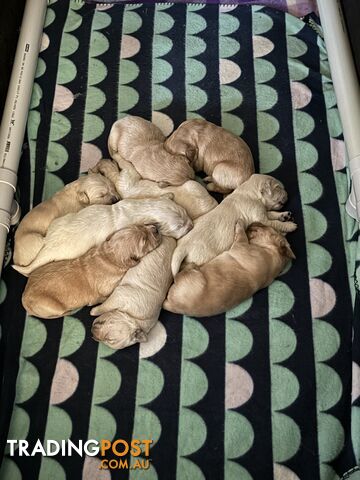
<point x="114" y="198"/>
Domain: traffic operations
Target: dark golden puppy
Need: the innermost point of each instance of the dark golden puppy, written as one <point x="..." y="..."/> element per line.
<point x="225" y="157"/>
<point x="253" y="262"/>
<point x="57" y="288"/>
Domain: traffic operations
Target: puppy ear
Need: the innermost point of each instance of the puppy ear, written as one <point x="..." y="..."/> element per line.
<point x="285" y="251"/>
<point x="191" y="153"/>
<point x="169" y="195"/>
<point x="140" y="335"/>
<point x="266" y="189"/>
<point x="84" y="198"/>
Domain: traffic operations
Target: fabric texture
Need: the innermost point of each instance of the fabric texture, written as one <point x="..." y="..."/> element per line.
<point x="262" y="392"/>
<point x="298" y="8"/>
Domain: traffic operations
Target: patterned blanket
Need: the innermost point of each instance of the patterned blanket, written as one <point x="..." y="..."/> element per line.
<point x="262" y="392"/>
<point x="298" y="8"/>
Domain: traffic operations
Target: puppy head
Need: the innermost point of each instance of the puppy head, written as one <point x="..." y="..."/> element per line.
<point x="262" y="235"/>
<point x="96" y="189"/>
<point x="177" y="145"/>
<point x="271" y="191"/>
<point x="117" y="330"/>
<point x="172" y="219"/>
<point x="128" y="245"/>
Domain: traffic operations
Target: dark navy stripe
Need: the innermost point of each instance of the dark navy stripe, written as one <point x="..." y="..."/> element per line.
<point x="258" y="460"/>
<point x="143" y="59"/>
<point x="111" y="59"/>
<point x="302" y="363"/>
<point x="47" y="82"/>
<point x="176" y="57"/>
<point x="246" y="82"/>
<point x="75" y="113"/>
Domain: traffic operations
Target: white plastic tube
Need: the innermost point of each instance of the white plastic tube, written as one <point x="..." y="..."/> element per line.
<point x="347" y="91"/>
<point x="16" y="109"/>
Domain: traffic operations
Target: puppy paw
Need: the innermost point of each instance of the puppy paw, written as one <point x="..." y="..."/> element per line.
<point x="213" y="187"/>
<point x="286" y="217"/>
<point x="290" y="226"/>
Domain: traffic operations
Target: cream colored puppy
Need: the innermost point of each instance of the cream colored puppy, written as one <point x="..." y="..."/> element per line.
<point x="74" y="234"/>
<point x="191" y="195"/>
<point x="254" y="201"/>
<point x="87" y="190"/>
<point x="134" y="307"/>
<point x="142" y="143"/>
<point x="225" y="157"/>
<point x="55" y="289"/>
<point x="253" y="262"/>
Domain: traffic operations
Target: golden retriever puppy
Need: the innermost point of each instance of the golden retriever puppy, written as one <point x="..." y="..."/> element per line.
<point x="225" y="158"/>
<point x="55" y="289"/>
<point x="134" y="307"/>
<point x="74" y="234"/>
<point x="254" y="201"/>
<point x="142" y="143"/>
<point x="87" y="190"/>
<point x="252" y="263"/>
<point x="191" y="195"/>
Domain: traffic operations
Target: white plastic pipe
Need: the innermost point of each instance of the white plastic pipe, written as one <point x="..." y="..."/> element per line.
<point x="347" y="91"/>
<point x="16" y="109"/>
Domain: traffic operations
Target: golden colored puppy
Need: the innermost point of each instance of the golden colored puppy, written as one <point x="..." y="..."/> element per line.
<point x="134" y="307"/>
<point x="57" y="288"/>
<point x="254" y="201"/>
<point x="225" y="157"/>
<point x="87" y="190"/>
<point x="191" y="195"/>
<point x="253" y="262"/>
<point x="142" y="143"/>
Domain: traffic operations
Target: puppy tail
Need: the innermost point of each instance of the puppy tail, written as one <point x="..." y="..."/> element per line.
<point x="177" y="260"/>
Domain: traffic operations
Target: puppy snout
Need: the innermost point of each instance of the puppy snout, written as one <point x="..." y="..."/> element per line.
<point x="96" y="331"/>
<point x="284" y="198"/>
<point x="114" y="198"/>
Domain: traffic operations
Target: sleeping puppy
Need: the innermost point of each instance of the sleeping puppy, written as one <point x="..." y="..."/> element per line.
<point x="87" y="190"/>
<point x="254" y="201"/>
<point x="134" y="307"/>
<point x="55" y="289"/>
<point x="225" y="158"/>
<point x="72" y="235"/>
<point x="191" y="195"/>
<point x="252" y="263"/>
<point x="142" y="143"/>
